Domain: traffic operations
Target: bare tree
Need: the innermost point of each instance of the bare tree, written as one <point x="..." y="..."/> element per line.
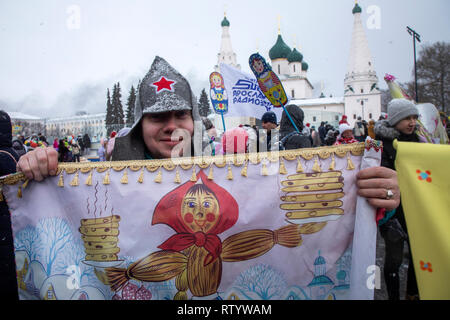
<point x="433" y="75"/>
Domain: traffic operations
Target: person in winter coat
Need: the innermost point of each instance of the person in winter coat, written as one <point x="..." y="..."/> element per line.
<point x="289" y="137"/>
<point x="400" y="125"/>
<point x="315" y="138"/>
<point x="86" y="143"/>
<point x="322" y="132"/>
<point x="8" y="163"/>
<point x="76" y="151"/>
<point x="269" y="123"/>
<point x="345" y="135"/>
<point x="344" y="120"/>
<point x="102" y="150"/>
<point x="331" y="137"/>
<point x="18" y="146"/>
<point x="359" y="131"/>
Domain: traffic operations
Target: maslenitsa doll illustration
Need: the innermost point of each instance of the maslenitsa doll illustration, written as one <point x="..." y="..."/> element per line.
<point x="199" y="212"/>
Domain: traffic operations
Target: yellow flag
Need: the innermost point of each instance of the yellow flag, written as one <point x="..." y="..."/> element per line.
<point x="424" y="177"/>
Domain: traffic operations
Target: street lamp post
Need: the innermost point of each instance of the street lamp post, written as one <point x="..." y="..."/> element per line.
<point x="415" y="36"/>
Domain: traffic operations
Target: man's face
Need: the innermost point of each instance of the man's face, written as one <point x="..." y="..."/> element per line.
<point x="407" y="125"/>
<point x="157" y="130"/>
<point x="269" y="125"/>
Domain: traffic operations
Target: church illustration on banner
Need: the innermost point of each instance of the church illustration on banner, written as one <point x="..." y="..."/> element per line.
<point x="361" y="97"/>
<point x="323" y="285"/>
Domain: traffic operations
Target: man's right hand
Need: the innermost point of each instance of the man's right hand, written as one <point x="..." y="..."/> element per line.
<point x="39" y="163"/>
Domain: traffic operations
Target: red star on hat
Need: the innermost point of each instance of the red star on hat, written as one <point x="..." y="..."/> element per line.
<point x="163" y="84"/>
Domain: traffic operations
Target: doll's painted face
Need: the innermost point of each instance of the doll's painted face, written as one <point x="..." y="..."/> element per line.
<point x="200" y="209"/>
<point x="217" y="81"/>
<point x="258" y="65"/>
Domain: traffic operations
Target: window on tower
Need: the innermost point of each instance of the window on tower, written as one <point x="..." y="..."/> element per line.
<point x="362" y="102"/>
<point x="279" y="72"/>
<point x="293" y="93"/>
<point x="362" y="90"/>
<point x="370" y="116"/>
<point x="294" y="67"/>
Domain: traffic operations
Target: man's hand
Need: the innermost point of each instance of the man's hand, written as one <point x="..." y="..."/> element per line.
<point x="39" y="163"/>
<point x="374" y="183"/>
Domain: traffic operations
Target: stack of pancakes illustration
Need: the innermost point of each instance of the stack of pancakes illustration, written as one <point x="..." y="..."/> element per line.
<point x="100" y="237"/>
<point x="313" y="197"/>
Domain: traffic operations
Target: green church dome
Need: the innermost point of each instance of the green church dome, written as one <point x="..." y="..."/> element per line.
<point x="357" y="9"/>
<point x="305" y="66"/>
<point x="295" y="56"/>
<point x="279" y="50"/>
<point x="225" y="22"/>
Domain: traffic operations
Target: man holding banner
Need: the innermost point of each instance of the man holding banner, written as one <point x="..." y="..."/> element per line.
<point x="165" y="96"/>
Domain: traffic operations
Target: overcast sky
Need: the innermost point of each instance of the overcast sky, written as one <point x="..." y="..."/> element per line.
<point x="52" y="63"/>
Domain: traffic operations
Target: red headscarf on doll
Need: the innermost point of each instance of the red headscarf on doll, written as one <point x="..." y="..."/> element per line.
<point x="168" y="211"/>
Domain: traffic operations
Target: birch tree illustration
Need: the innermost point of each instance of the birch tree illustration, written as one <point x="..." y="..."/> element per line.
<point x="262" y="280"/>
<point x="55" y="235"/>
<point x="28" y="240"/>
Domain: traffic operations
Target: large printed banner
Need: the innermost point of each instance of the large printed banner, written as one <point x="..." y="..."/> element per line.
<point x="285" y="225"/>
<point x="424" y="179"/>
<point x="245" y="98"/>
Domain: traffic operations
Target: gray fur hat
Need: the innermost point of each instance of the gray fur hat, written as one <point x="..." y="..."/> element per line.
<point x="163" y="89"/>
<point x="399" y="109"/>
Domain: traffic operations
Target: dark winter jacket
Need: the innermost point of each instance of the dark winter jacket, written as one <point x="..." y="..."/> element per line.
<point x="294" y="141"/>
<point x="8" y="161"/>
<point x="387" y="134"/>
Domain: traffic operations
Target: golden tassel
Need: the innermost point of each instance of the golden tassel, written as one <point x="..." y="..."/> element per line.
<point x="244" y="170"/>
<point x="177" y="176"/>
<point x="19" y="192"/>
<point x="61" y="180"/>
<point x="25" y="184"/>
<point x="316" y="166"/>
<point x="299" y="166"/>
<point x="124" y="179"/>
<point x="282" y="167"/>
<point x="141" y="176"/>
<point x="158" y="178"/>
<point x="265" y="171"/>
<point x="333" y="163"/>
<point x="74" y="182"/>
<point x="106" y="178"/>
<point x="210" y="174"/>
<point x="89" y="179"/>
<point x="194" y="175"/>
<point x="350" y="165"/>
<point x="230" y="173"/>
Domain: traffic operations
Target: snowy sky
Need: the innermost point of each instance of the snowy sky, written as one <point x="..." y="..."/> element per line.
<point x="52" y="63"/>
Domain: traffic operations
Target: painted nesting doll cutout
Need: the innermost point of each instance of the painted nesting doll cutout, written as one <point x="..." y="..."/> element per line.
<point x="198" y="213"/>
<point x="268" y="81"/>
<point x="218" y="94"/>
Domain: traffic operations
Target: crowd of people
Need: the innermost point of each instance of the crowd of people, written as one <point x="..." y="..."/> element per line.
<point x="69" y="148"/>
<point x="166" y="127"/>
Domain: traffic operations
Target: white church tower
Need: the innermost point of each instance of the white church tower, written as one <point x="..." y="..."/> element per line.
<point x="226" y="54"/>
<point x="362" y="96"/>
